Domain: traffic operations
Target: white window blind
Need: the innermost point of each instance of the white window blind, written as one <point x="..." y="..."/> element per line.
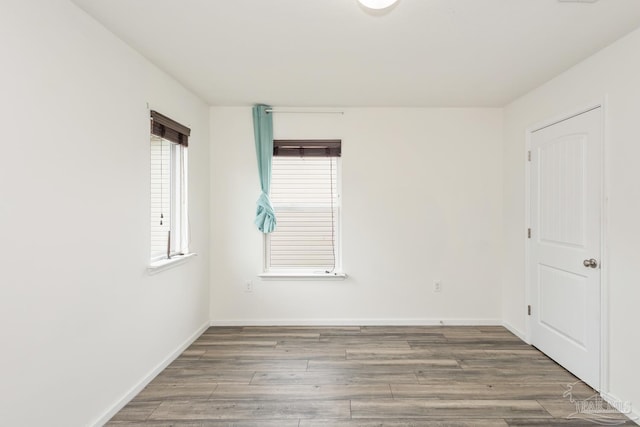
<point x="305" y="196"/>
<point x="160" y="195"/>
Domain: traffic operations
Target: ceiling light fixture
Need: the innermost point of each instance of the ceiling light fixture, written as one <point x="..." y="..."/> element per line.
<point x="377" y="4"/>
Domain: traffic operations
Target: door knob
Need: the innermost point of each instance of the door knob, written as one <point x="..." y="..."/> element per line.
<point x="590" y="263"/>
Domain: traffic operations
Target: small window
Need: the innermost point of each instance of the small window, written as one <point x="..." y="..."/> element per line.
<point x="305" y="193"/>
<point x="169" y="220"/>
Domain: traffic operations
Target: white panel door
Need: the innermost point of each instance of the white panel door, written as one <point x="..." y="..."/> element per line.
<point x="566" y="192"/>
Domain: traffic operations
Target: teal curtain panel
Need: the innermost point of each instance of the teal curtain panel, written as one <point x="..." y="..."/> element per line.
<point x="263" y="132"/>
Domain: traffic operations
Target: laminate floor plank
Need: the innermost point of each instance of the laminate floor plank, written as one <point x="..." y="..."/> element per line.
<point x="404" y="423"/>
<point x="494" y="376"/>
<point x="206" y="410"/>
<point x="206" y="344"/>
<point x="202" y="376"/>
<point x="302" y="391"/>
<point x="441" y="408"/>
<point x="508" y="362"/>
<point x="191" y="354"/>
<point x="391" y="336"/>
<point x="208" y="365"/>
<point x="360" y="376"/>
<point x="381" y="354"/>
<point x="455" y="352"/>
<point x="137" y="411"/>
<point x="302" y="352"/>
<point x="157" y="392"/>
<point x="387" y="365"/>
<point x="479" y="343"/>
<point x="234" y="423"/>
<point x="488" y="391"/>
<point x="346" y="343"/>
<point x="322" y="330"/>
<point x="332" y="377"/>
<point x="475" y="334"/>
<point x="266" y="335"/>
<point x="464" y="352"/>
<point x="561" y="422"/>
<point x="221" y="330"/>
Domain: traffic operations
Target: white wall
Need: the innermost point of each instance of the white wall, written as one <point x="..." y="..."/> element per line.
<point x="81" y="321"/>
<point x="612" y="74"/>
<point x="421" y="202"/>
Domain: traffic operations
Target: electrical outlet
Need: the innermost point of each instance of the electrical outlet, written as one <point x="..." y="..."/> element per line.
<point x="437" y="286"/>
<point x="248" y="287"/>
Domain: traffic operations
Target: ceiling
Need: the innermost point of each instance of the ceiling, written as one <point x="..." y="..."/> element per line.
<point x="442" y="53"/>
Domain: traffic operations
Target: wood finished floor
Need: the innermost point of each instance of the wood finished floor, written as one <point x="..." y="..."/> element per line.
<point x="357" y="377"/>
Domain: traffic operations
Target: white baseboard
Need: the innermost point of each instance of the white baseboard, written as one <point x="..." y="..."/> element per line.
<point x="516" y="331"/>
<point x="356" y="322"/>
<point x="149" y="377"/>
<point x="634" y="415"/>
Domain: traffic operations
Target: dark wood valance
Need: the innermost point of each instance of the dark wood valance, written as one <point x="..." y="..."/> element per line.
<point x="307" y="148"/>
<point x="169" y="129"/>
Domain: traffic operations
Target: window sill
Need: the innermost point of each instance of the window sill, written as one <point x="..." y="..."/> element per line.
<point x="165" y="264"/>
<point x="302" y="276"/>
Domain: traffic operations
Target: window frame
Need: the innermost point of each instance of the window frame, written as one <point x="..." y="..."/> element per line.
<point x="167" y="131"/>
<point x="310" y="271"/>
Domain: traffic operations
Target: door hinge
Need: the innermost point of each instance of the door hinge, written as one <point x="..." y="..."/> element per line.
<point x="529" y="310"/>
<point x="528" y="233"/>
<point x="529" y="155"/>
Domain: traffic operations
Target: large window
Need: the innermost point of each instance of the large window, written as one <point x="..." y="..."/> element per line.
<point x="305" y="193"/>
<point x="169" y="220"/>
